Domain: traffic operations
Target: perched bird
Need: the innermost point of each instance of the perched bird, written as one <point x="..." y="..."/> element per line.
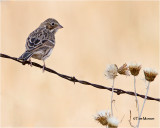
<point x="41" y="41"/>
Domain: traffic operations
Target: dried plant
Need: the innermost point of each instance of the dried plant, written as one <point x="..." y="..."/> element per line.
<point x="134" y="68"/>
<point x="150" y="75"/>
<point x="105" y="119"/>
<point x="111" y="73"/>
<point x="112" y="122"/>
<point x="124" y="70"/>
<point x="101" y="117"/>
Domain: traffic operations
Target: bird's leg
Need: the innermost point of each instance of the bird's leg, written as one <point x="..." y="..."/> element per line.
<point x="30" y="62"/>
<point x="43" y="65"/>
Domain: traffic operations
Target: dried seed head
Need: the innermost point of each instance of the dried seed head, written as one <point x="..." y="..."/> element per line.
<point x="101" y="117"/>
<point x="124" y="70"/>
<point x="102" y="120"/>
<point x="134" y="68"/>
<point x="111" y="71"/>
<point x="112" y="122"/>
<point x="150" y="74"/>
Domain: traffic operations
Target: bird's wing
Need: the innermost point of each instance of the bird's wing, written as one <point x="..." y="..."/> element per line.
<point x="45" y="44"/>
<point x="37" y="39"/>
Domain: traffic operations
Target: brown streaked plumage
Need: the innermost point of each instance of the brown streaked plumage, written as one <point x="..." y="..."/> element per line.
<point x="41" y="41"/>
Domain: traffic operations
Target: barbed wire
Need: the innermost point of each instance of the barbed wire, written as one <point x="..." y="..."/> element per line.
<point x="74" y="80"/>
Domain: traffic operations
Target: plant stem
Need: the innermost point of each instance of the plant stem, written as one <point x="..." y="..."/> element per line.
<point x="143" y="105"/>
<point x="137" y="104"/>
<point x="112" y="97"/>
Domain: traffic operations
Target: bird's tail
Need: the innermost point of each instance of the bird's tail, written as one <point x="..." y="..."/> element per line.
<point x="25" y="56"/>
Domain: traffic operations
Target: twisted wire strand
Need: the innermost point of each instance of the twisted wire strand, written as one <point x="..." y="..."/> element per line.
<point x="74" y="80"/>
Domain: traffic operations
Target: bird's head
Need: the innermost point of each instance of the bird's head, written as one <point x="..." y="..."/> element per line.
<point x="51" y="24"/>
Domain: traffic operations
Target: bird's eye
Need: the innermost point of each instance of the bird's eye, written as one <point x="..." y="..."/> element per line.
<point x="52" y="24"/>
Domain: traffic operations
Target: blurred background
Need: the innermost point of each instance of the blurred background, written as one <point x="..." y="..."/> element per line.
<point x="95" y="34"/>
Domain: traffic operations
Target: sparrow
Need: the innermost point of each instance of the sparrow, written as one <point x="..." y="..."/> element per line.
<point x="40" y="42"/>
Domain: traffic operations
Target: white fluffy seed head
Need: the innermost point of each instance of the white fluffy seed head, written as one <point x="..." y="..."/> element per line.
<point x="112" y="122"/>
<point x="111" y="71"/>
<point x="102" y="113"/>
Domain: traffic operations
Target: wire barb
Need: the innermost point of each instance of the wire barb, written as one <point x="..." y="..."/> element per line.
<point x="73" y="79"/>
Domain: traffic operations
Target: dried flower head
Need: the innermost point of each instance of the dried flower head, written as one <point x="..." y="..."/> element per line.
<point x="150" y="74"/>
<point x="112" y="122"/>
<point x="124" y="70"/>
<point x="111" y="71"/>
<point x="101" y="117"/>
<point x="134" y="68"/>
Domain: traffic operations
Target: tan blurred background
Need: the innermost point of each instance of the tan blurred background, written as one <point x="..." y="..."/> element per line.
<point x="95" y="34"/>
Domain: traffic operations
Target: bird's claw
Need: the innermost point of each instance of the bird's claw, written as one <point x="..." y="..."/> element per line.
<point x="43" y="69"/>
<point x="30" y="62"/>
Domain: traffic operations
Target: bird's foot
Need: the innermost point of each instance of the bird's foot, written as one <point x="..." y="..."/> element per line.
<point x="30" y="62"/>
<point x="43" y="66"/>
<point x="43" y="69"/>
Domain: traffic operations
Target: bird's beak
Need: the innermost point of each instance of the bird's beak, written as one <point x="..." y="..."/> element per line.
<point x="60" y="26"/>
